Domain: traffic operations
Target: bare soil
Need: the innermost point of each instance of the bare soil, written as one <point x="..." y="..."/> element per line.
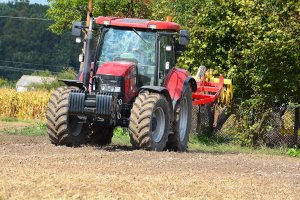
<point x="32" y="168"/>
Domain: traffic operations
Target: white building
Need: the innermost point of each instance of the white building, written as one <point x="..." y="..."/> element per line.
<point x="26" y="82"/>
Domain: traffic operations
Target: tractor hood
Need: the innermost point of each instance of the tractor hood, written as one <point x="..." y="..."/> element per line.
<point x="116" y="68"/>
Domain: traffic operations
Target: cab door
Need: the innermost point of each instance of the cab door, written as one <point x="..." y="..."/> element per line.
<point x="166" y="56"/>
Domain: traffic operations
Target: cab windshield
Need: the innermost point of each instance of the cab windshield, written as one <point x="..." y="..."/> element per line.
<point x="132" y="45"/>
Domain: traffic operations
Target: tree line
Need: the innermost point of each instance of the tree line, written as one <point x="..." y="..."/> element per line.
<point x="27" y="45"/>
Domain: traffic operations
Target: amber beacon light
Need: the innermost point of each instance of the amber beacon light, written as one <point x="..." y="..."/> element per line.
<point x="168" y="18"/>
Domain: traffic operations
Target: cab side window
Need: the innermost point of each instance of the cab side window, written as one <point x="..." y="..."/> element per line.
<point x="166" y="57"/>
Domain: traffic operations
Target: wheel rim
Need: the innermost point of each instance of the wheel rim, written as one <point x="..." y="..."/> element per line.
<point x="158" y="124"/>
<point x="75" y="125"/>
<point x="183" y="118"/>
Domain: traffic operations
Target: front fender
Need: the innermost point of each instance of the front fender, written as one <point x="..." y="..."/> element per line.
<point x="75" y="83"/>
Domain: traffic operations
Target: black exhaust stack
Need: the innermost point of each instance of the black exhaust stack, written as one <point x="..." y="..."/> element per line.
<point x="88" y="54"/>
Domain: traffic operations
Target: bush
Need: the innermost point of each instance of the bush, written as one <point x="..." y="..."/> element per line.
<point x="293" y="152"/>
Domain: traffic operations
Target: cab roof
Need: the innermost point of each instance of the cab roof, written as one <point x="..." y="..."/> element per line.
<point x="137" y="23"/>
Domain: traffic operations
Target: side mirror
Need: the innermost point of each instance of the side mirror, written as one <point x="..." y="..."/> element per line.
<point x="184" y="37"/>
<point x="76" y="29"/>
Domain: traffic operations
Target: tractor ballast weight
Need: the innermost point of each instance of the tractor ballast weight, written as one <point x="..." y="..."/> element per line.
<point x="130" y="80"/>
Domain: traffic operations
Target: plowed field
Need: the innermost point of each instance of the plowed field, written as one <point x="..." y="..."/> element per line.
<point x="32" y="168"/>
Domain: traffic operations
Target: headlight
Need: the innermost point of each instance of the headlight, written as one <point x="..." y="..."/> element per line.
<point x="110" y="88"/>
<point x="110" y="84"/>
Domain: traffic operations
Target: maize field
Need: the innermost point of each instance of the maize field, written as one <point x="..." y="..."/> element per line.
<point x="29" y="105"/>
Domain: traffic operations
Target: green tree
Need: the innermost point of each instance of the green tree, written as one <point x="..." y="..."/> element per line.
<point x="65" y="12"/>
<point x="254" y="42"/>
<point x="28" y="44"/>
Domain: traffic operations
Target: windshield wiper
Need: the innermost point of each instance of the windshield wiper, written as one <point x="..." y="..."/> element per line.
<point x="140" y="37"/>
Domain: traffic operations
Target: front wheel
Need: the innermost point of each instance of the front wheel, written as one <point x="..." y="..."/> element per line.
<point x="62" y="128"/>
<point x="149" y="121"/>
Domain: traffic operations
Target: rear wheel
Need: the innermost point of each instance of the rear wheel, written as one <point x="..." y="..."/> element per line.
<point x="62" y="128"/>
<point x="182" y="122"/>
<point x="149" y="121"/>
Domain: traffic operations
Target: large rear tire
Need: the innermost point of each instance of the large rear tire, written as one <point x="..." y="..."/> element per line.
<point x="182" y="122"/>
<point x="149" y="122"/>
<point x="62" y="128"/>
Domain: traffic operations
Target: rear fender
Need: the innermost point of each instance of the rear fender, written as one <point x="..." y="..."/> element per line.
<point x="176" y="83"/>
<point x="163" y="91"/>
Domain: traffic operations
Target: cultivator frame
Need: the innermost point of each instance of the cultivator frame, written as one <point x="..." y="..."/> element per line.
<point x="207" y="92"/>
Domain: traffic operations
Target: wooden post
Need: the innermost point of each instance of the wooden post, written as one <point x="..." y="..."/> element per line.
<point x="297" y="118"/>
<point x="90" y="10"/>
<point x="296" y="125"/>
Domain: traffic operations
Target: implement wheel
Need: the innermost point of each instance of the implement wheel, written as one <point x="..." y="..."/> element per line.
<point x="182" y="122"/>
<point x="62" y="128"/>
<point x="149" y="122"/>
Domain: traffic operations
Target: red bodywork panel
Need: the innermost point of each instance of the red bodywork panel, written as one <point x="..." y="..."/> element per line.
<point x="207" y="92"/>
<point x="115" y="68"/>
<point x="175" y="81"/>
<point x="122" y="69"/>
<point x="137" y="23"/>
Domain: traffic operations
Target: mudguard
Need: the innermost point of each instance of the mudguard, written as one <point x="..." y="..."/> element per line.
<point x="161" y="90"/>
<point x="190" y="80"/>
<point x="158" y="89"/>
<point x="176" y="83"/>
<point x="75" y="83"/>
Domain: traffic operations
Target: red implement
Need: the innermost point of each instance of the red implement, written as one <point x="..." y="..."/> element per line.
<point x="207" y="92"/>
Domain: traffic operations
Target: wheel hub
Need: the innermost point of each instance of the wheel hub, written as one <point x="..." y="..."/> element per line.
<point x="154" y="124"/>
<point x="183" y="118"/>
<point x="158" y="124"/>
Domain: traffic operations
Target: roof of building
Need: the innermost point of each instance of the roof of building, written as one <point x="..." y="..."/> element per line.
<point x="27" y="80"/>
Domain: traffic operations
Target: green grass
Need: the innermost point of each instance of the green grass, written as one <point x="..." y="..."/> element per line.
<point x="13" y="119"/>
<point x="201" y="144"/>
<point x="38" y="129"/>
<point x="294" y="152"/>
<point x="205" y="144"/>
<point x="120" y="137"/>
<point x="8" y="119"/>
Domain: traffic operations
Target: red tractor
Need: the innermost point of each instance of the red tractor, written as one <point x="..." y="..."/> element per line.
<point x="129" y="79"/>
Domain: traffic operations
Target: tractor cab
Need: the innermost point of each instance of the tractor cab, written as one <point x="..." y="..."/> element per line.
<point x="129" y="45"/>
<point x="151" y="45"/>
